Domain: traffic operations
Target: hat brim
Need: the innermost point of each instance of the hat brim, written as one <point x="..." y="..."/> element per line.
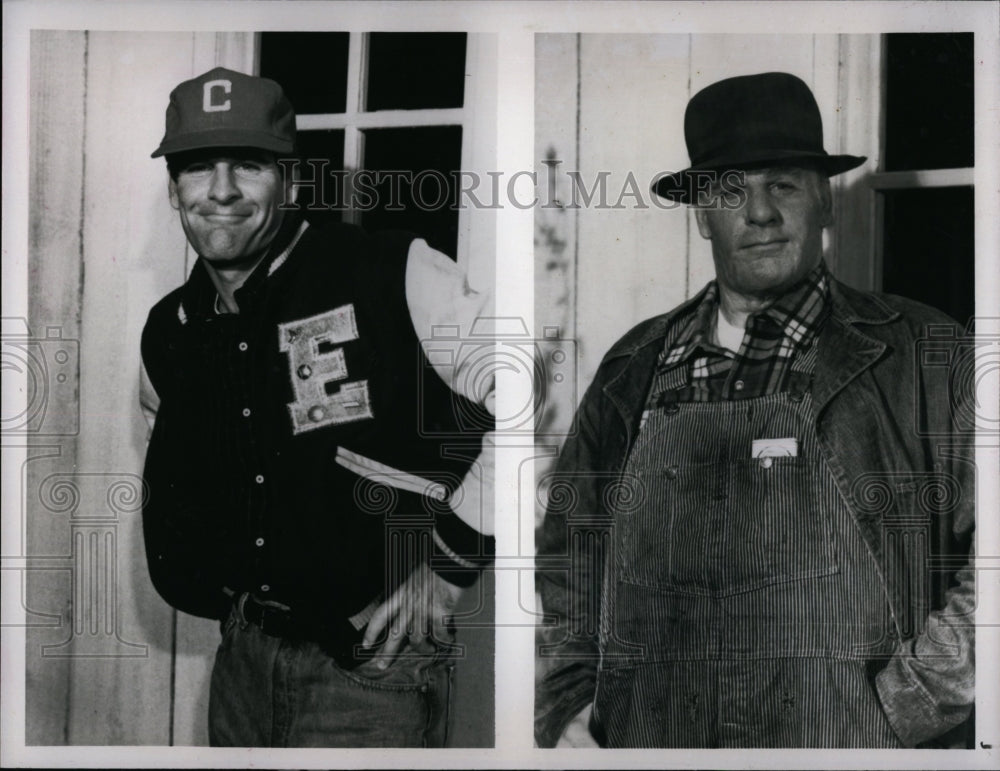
<point x="223" y="138"/>
<point x="679" y="187"/>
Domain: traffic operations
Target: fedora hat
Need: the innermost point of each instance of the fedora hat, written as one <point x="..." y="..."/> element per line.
<point x="224" y="108"/>
<point x="752" y="121"/>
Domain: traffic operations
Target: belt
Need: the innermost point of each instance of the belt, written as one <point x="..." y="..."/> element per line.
<point x="272" y="618"/>
<point x="338" y="640"/>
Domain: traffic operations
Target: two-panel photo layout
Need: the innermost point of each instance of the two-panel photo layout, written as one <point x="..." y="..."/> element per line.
<point x="267" y="363"/>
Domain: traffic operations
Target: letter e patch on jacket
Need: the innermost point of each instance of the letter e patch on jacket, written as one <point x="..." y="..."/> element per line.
<point x="318" y="369"/>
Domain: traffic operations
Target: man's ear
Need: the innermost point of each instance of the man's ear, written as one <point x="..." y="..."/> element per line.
<point x="172" y="193"/>
<point x="701" y="217"/>
<point x="826" y="202"/>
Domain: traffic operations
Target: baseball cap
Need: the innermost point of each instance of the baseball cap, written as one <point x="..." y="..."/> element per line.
<point x="223" y="108"/>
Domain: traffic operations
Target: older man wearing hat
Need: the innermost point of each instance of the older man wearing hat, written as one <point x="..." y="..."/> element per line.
<point x="752" y="533"/>
<point x="301" y="489"/>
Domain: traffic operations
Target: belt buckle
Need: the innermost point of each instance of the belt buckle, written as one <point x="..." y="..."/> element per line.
<point x="267" y="625"/>
<point x="241" y="610"/>
<point x="274" y="621"/>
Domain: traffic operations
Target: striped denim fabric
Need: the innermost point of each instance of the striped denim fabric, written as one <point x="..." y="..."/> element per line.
<point x="742" y="608"/>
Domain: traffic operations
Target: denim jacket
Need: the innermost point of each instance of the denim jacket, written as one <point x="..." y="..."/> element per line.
<point x="895" y="428"/>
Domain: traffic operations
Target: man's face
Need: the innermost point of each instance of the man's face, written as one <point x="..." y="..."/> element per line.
<point x="771" y="242"/>
<point x="228" y="199"/>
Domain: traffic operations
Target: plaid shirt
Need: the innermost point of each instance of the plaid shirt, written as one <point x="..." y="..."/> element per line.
<point x="776" y="353"/>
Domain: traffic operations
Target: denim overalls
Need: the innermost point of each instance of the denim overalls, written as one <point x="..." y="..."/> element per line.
<point x="745" y="602"/>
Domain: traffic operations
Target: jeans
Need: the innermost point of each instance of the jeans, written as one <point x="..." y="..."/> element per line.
<point x="274" y="692"/>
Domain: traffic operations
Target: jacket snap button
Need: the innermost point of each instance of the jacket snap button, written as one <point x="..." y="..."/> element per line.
<point x="671" y="472"/>
<point x="673" y="408"/>
<point x="304" y="372"/>
<point x="766" y="462"/>
<point x="316" y="414"/>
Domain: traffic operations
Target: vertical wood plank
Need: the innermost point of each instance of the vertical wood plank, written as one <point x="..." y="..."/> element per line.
<point x="237" y="51"/>
<point x="133" y="254"/>
<point x="556" y="85"/>
<point x="58" y="66"/>
<point x="858" y="133"/>
<point x="197" y="640"/>
<point x="633" y="253"/>
<point x="718" y="56"/>
<point x="477" y="226"/>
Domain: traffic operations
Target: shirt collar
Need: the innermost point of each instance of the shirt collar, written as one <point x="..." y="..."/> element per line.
<point x="200" y="297"/>
<point x="694" y="330"/>
<point x="799" y="313"/>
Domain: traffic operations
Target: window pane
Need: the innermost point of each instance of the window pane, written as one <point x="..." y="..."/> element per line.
<point x="409" y="70"/>
<point x="426" y="156"/>
<point x="929" y="247"/>
<point x="323" y="202"/>
<point x="310" y="66"/>
<point x="929" y="101"/>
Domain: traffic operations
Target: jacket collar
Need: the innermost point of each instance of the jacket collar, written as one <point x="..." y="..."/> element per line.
<point x="857" y="307"/>
<point x="627" y="390"/>
<point x="845" y="350"/>
<point x="199" y="296"/>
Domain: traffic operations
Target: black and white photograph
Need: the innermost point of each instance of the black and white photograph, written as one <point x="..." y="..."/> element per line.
<point x="251" y="237"/>
<point x="457" y="384"/>
<point x="760" y="528"/>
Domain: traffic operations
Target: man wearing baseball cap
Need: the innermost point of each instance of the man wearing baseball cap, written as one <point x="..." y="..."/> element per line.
<point x="302" y="488"/>
<point x="770" y="505"/>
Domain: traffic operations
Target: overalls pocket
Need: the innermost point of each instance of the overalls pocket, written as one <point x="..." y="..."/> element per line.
<point x="721" y="529"/>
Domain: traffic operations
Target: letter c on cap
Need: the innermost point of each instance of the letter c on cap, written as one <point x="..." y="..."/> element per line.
<point x="207" y="104"/>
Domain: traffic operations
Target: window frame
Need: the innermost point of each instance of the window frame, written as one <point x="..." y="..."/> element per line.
<point x="475" y="235"/>
<point x="858" y="230"/>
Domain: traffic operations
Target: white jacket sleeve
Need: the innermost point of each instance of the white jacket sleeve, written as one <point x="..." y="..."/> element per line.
<point x="455" y="326"/>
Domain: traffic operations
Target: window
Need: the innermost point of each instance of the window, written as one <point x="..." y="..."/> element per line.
<point x="387" y="113"/>
<point x="920" y="195"/>
<point x="925" y="183"/>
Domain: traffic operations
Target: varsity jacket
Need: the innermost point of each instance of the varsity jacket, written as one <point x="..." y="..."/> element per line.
<point x="304" y="449"/>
